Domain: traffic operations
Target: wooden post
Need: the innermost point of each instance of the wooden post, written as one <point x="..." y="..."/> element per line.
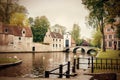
<point x="60" y="71"/>
<point x="111" y="64"/>
<point x="68" y="70"/>
<point x="96" y="63"/>
<point x="117" y="63"/>
<point x="101" y="63"/>
<point x="78" y="63"/>
<point x="88" y="62"/>
<point x="106" y="63"/>
<point x="74" y="66"/>
<point x="47" y="74"/>
<point x="92" y="68"/>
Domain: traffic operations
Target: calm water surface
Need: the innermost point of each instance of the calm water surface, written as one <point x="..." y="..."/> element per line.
<point x="34" y="64"/>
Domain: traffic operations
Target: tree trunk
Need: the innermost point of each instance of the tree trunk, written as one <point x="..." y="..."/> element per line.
<point x="103" y="36"/>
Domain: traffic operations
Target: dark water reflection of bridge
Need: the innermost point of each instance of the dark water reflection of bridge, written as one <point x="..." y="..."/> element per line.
<point x="34" y="64"/>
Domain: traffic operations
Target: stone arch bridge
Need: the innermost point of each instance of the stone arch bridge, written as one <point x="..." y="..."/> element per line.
<point x="83" y="49"/>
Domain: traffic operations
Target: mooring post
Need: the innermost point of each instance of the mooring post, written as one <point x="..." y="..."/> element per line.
<point x="68" y="70"/>
<point x="78" y="63"/>
<point x="47" y="74"/>
<point x="74" y="66"/>
<point x="88" y="62"/>
<point x="60" y="71"/>
<point x="92" y="68"/>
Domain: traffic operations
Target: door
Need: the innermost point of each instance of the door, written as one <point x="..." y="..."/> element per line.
<point x="67" y="43"/>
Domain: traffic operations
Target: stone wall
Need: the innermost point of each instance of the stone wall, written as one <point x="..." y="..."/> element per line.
<point x="13" y="43"/>
<point x="42" y="47"/>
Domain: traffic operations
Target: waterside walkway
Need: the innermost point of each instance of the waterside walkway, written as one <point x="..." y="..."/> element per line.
<point x="80" y="76"/>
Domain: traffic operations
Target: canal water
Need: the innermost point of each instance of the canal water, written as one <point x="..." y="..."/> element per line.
<point x="35" y="64"/>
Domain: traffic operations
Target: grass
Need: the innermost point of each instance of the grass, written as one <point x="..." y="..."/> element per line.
<point x="110" y="54"/>
<point x="7" y="60"/>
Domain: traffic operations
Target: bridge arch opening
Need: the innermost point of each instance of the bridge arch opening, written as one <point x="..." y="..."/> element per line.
<point x="92" y="52"/>
<point x="75" y="50"/>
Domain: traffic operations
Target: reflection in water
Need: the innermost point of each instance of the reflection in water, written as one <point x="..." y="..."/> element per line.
<point x="67" y="58"/>
<point x="34" y="64"/>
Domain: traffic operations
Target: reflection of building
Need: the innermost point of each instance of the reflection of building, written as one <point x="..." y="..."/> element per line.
<point x="55" y="40"/>
<point x="68" y="40"/>
<point x="112" y="42"/>
<point x="15" y="38"/>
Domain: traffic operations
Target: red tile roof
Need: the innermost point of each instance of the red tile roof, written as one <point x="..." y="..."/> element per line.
<point x="15" y="30"/>
<point x="28" y="31"/>
<point x="56" y="35"/>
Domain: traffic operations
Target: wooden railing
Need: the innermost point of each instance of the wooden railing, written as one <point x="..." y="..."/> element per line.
<point x="61" y="73"/>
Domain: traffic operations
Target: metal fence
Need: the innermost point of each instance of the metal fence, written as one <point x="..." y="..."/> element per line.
<point x="101" y="64"/>
<point x="91" y="62"/>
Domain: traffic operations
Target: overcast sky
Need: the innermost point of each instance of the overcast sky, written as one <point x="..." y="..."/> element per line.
<point x="63" y="12"/>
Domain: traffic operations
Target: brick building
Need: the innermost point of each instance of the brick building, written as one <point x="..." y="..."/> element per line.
<point x="15" y="38"/>
<point x="111" y="40"/>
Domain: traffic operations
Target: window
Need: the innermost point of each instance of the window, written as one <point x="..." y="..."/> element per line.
<point x="115" y="36"/>
<point x="108" y="29"/>
<point x="56" y="39"/>
<point x="23" y="32"/>
<point x="11" y="43"/>
<point x="19" y="38"/>
<point x="110" y="43"/>
<point x="53" y="45"/>
<point x="105" y="36"/>
<point x="53" y="39"/>
<point x="6" y="30"/>
<point x="56" y="45"/>
<point x="105" y="44"/>
<point x="67" y="36"/>
<point x="118" y="43"/>
<point x="60" y="40"/>
<point x="59" y="45"/>
<point x="110" y="36"/>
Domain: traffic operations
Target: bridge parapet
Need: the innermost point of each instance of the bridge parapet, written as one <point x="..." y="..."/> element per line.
<point x="85" y="48"/>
